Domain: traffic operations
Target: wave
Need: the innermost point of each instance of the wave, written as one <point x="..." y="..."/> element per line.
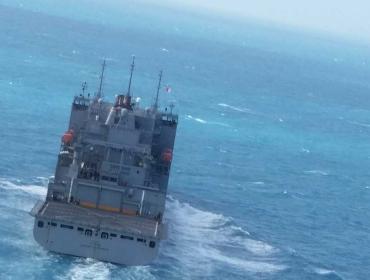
<point x="316" y="172"/>
<point x="199" y="120"/>
<point x="332" y="274"/>
<point x="220" y="124"/>
<point x="43" y="180"/>
<point x="85" y="269"/>
<point x="238" y="109"/>
<point x="323" y="271"/>
<point x="204" y="242"/>
<point x="189" y="117"/>
<point x="35" y="190"/>
<point x="95" y="270"/>
<point x="88" y="269"/>
<point x="258" y="183"/>
<point x="359" y="124"/>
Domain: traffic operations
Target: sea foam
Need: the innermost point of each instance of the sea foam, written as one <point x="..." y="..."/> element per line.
<point x="34" y="190"/>
<point x="204" y="241"/>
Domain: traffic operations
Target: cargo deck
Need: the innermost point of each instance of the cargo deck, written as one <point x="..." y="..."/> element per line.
<point x="95" y="218"/>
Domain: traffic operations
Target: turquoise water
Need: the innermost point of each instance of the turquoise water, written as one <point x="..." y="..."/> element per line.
<point x="270" y="178"/>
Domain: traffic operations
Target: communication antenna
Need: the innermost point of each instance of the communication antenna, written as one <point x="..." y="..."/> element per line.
<point x="172" y="105"/>
<point x="158" y="89"/>
<point x="132" y="71"/>
<point x="84" y="88"/>
<point x="100" y="91"/>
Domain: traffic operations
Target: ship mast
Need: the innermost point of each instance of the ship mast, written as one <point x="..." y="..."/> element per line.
<point x="158" y="89"/>
<point x="132" y="71"/>
<point x="100" y="93"/>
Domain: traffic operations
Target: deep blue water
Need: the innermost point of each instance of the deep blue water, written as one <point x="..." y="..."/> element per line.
<point x="271" y="172"/>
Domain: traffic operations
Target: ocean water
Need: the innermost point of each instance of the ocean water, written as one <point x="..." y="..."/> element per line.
<point x="270" y="178"/>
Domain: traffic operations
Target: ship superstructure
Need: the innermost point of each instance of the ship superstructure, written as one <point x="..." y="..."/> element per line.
<point x="107" y="198"/>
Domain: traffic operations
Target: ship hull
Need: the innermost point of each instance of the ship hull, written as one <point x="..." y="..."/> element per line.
<point x="113" y="249"/>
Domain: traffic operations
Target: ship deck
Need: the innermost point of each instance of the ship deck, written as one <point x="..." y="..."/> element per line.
<point x="95" y="218"/>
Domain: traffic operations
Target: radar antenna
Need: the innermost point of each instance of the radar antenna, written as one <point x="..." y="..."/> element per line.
<point x="158" y="89"/>
<point x="100" y="91"/>
<point x="132" y="71"/>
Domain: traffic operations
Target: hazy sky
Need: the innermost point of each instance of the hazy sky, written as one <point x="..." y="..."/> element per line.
<point x="348" y="18"/>
<point x="343" y="17"/>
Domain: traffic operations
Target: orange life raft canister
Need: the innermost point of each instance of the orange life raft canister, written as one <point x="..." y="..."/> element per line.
<point x="68" y="137"/>
<point x="167" y="155"/>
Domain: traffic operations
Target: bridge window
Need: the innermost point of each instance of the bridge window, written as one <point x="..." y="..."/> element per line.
<point x="141" y="240"/>
<point x="111" y="179"/>
<point x="104" y="235"/>
<point x="151" y="244"/>
<point x="127" y="237"/>
<point x="66" y="226"/>
<point x="80" y="229"/>
<point x="88" y="232"/>
<point x="40" y="224"/>
<point x="113" y="235"/>
<point x="53" y="224"/>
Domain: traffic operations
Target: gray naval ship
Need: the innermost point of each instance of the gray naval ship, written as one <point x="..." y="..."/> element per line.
<point x="107" y="198"/>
